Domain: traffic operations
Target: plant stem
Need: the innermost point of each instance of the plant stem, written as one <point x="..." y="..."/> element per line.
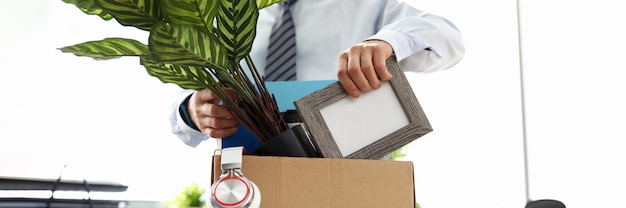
<point x="255" y="107"/>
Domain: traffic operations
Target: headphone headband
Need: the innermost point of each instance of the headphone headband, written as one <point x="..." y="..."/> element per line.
<point x="231" y="158"/>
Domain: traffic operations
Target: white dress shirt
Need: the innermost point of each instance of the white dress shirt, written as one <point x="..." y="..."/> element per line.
<point x="421" y="42"/>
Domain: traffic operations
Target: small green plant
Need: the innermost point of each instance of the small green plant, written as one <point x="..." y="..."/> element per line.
<point x="400" y="153"/>
<point x="191" y="196"/>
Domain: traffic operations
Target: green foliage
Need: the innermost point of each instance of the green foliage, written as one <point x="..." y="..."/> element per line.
<point x="195" y="44"/>
<point x="188" y="77"/>
<point x="91" y="8"/>
<point x="400" y="153"/>
<point x="191" y="12"/>
<point x="108" y="48"/>
<point x="233" y="20"/>
<point x="191" y="196"/>
<point x="141" y="14"/>
<point x="187" y="45"/>
<point x="265" y="3"/>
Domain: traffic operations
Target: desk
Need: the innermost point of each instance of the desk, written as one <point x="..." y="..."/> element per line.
<point x="39" y="184"/>
<point x="17" y="183"/>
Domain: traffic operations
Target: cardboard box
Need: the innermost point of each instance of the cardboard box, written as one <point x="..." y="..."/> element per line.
<point x="289" y="182"/>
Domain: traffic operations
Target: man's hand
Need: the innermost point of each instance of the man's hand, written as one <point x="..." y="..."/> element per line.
<point x="211" y="118"/>
<point x="363" y="65"/>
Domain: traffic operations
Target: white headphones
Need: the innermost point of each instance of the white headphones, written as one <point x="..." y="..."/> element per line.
<point x="232" y="189"/>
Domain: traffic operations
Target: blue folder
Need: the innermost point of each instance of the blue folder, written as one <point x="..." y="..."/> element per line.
<point x="286" y="92"/>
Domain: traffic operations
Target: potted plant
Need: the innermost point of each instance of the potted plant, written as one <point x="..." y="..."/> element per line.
<point x="195" y="44"/>
<point x="189" y="197"/>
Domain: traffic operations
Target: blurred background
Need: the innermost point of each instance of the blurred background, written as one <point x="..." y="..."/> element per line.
<point x="108" y="120"/>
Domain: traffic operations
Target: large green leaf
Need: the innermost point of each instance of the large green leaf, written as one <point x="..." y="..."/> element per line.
<point x="236" y="23"/>
<point x="108" y="48"/>
<point x="186" y="77"/>
<point x="141" y="14"/>
<point x="265" y="3"/>
<point x="186" y="45"/>
<point x="90" y="7"/>
<point x="199" y="13"/>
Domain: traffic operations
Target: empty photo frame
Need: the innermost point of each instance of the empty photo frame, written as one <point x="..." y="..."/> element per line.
<point x="369" y="127"/>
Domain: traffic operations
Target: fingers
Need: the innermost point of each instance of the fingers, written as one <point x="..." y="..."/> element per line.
<point x="216" y="127"/>
<point x="370" y="72"/>
<point x="206" y="95"/>
<point x="211" y="118"/>
<point x="362" y="66"/>
<point x="379" y="59"/>
<point x="213" y="110"/>
<point x="345" y="78"/>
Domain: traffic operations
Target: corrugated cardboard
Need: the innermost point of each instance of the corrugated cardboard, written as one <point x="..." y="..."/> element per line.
<point x="289" y="182"/>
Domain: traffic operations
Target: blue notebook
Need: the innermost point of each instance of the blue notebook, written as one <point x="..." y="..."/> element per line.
<point x="286" y="93"/>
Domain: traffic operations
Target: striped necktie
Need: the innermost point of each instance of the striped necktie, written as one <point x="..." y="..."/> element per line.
<point x="281" y="56"/>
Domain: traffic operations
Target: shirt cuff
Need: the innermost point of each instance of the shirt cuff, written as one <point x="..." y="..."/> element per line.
<point x="402" y="46"/>
<point x="183" y="112"/>
<point x="184" y="132"/>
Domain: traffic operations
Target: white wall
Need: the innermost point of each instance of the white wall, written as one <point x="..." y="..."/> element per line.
<point x="574" y="93"/>
<point x="115" y="127"/>
<point x="107" y="120"/>
<point x="473" y="158"/>
<point x="575" y="72"/>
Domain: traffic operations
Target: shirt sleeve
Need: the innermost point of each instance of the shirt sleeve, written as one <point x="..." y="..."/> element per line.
<point x="184" y="132"/>
<point x="422" y="42"/>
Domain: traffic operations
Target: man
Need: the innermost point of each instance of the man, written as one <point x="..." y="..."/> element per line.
<point x="362" y="33"/>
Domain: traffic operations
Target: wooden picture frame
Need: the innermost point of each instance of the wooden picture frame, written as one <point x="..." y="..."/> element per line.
<point x="369" y="127"/>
